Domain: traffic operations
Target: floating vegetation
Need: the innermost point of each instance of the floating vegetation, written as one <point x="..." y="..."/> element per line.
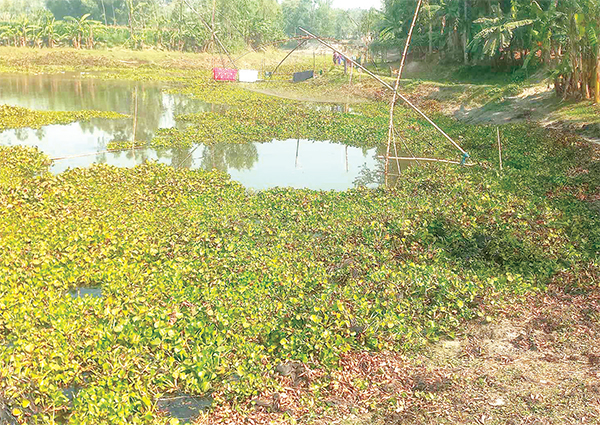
<point x="255" y="117"/>
<point x="20" y="163"/>
<point x="17" y="117"/>
<point x="125" y="144"/>
<point x="213" y="290"/>
<point x="269" y="119"/>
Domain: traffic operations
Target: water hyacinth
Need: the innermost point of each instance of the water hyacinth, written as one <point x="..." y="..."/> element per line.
<point x="121" y="289"/>
<point x="17" y="117"/>
<point x="206" y="288"/>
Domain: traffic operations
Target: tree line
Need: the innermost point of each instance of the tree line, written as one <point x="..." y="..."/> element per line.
<point x="505" y="35"/>
<point x="164" y="24"/>
<point x="168" y="24"/>
<point x="561" y="35"/>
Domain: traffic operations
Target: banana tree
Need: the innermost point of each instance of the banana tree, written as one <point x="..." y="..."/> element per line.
<point x="9" y="33"/>
<point x="24" y="28"/>
<point x="50" y="32"/>
<point x="496" y="35"/>
<point x="79" y="28"/>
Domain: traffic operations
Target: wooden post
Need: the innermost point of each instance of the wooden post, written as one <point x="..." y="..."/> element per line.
<point x="347" y="168"/>
<point x="351" y="70"/>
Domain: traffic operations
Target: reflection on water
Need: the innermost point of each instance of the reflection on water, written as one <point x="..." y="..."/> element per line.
<point x="71" y="92"/>
<point x="289" y="163"/>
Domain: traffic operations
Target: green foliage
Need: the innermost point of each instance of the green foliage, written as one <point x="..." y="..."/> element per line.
<point x="22" y="162"/>
<point x="17" y="117"/>
<point x="123" y="144"/>
<point x="496" y="35"/>
<point x="207" y="287"/>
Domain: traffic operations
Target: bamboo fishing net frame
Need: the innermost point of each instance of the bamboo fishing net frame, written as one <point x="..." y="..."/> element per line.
<point x="397" y="94"/>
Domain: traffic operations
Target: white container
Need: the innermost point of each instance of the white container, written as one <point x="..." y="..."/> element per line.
<point x="248" y="76"/>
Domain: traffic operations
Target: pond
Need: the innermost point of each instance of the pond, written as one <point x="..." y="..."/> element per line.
<point x="286" y="163"/>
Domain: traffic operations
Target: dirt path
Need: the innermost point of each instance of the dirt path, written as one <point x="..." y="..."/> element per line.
<point x="534" y="104"/>
<point x="538" y="104"/>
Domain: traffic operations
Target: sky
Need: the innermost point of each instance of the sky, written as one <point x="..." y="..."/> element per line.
<point x="353" y="4"/>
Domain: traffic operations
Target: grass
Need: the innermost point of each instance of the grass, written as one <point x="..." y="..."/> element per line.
<point x="299" y="306"/>
<point x="583" y="116"/>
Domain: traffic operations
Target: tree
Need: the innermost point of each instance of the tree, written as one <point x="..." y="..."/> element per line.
<point x="497" y="34"/>
<point x="80" y="28"/>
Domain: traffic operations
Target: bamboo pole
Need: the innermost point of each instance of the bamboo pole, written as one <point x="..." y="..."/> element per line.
<point x="189" y="155"/>
<point x="81" y="155"/>
<point x="212" y="30"/>
<point x="407" y="148"/>
<point x="400" y="95"/>
<point x="397" y="160"/>
<point x="287" y="56"/>
<point x="407" y="158"/>
<point x="499" y="147"/>
<point x="271" y="43"/>
<point x="212" y="41"/>
<point x="395" y="96"/>
<point x="135" y="114"/>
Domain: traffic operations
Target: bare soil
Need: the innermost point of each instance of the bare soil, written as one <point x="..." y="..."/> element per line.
<point x="536" y="104"/>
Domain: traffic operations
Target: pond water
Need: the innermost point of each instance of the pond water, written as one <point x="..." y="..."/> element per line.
<point x="285" y="163"/>
<point x="85" y="292"/>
